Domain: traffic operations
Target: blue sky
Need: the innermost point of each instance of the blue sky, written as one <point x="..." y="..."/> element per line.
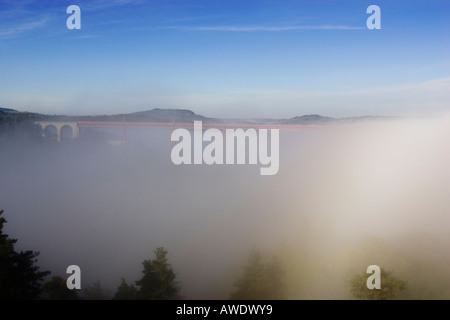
<point x="261" y="58"/>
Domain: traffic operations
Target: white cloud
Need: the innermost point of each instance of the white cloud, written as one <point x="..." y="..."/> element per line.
<point x="262" y="28"/>
<point x="87" y="36"/>
<point x="106" y="4"/>
<point x="21" y="28"/>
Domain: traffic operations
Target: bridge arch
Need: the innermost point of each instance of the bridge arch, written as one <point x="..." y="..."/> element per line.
<point x="66" y="133"/>
<point x="65" y="130"/>
<point x="50" y="132"/>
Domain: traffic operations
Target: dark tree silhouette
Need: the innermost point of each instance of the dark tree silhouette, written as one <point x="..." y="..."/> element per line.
<point x="95" y="292"/>
<point x="158" y="280"/>
<point x="20" y="276"/>
<point x="260" y="281"/>
<point x="16" y="127"/>
<point x="126" y="292"/>
<point x="56" y="289"/>
<point x="390" y="286"/>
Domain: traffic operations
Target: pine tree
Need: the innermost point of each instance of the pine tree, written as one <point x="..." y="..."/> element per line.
<point x="20" y="276"/>
<point x="158" y="280"/>
<point x="95" y="292"/>
<point x="56" y="289"/>
<point x="390" y="286"/>
<point x="126" y="292"/>
<point x="260" y="281"/>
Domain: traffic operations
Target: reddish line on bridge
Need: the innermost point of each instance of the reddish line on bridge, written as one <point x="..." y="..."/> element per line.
<point x="190" y="125"/>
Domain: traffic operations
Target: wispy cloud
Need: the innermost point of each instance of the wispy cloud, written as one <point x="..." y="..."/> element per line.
<point x="21" y="28"/>
<point x="87" y="36"/>
<point x="262" y="28"/>
<point x="96" y="5"/>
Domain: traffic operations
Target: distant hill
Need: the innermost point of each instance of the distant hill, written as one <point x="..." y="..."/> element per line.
<point x="368" y="118"/>
<point x="166" y="115"/>
<point x="182" y="115"/>
<point x="154" y="115"/>
<point x="6" y="110"/>
<point x="314" y="119"/>
<point x="310" y="119"/>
